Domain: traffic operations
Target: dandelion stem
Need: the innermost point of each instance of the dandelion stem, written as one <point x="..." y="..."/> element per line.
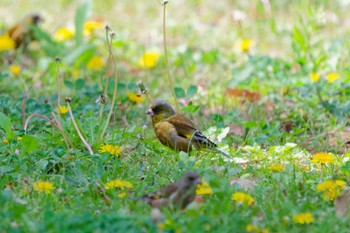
<point x="37" y="115"/>
<point x="53" y="124"/>
<point x="68" y="142"/>
<point x="319" y="96"/>
<point x="58" y="91"/>
<point x="113" y="61"/>
<point x="108" y="75"/>
<point x="88" y="147"/>
<point x="24" y="105"/>
<point x="171" y="84"/>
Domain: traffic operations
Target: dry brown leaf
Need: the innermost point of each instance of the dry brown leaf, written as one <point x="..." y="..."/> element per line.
<point x="236" y="130"/>
<point x="340" y="138"/>
<point x="245" y="95"/>
<point x="287" y="125"/>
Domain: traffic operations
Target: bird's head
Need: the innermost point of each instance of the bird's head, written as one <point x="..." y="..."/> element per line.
<point x="160" y="110"/>
<point x="190" y="180"/>
<point x="34" y="18"/>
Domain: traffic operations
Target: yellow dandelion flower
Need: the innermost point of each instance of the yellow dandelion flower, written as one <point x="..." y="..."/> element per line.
<point x="303" y="218"/>
<point x="95" y="63"/>
<point x="6" y="43"/>
<point x="242" y="198"/>
<point x="203" y="189"/>
<point x="6" y="141"/>
<point x="322" y="158"/>
<point x="63" y="34"/>
<point x="162" y="226"/>
<point x="19" y="138"/>
<point x="15" y="69"/>
<point x="245" y="45"/>
<point x="252" y="228"/>
<point x="332" y="77"/>
<point x="63" y="110"/>
<point x="111" y="149"/>
<point x="149" y="59"/>
<point x="331" y="189"/>
<point x="325" y="185"/>
<point x="136" y="98"/>
<point x="90" y="27"/>
<point x="118" y="184"/>
<point x="340" y="184"/>
<point x="314" y="77"/>
<point x="255" y="229"/>
<point x="276" y="168"/>
<point x="43" y="186"/>
<point x="122" y="195"/>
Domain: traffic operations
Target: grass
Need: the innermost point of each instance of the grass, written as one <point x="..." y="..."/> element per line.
<point x="278" y="118"/>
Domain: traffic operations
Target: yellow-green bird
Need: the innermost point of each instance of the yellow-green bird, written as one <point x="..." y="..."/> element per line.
<point x="22" y="33"/>
<point x="176" y="131"/>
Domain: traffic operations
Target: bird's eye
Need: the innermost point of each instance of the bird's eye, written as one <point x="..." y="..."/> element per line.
<point x="191" y="178"/>
<point x="155" y="110"/>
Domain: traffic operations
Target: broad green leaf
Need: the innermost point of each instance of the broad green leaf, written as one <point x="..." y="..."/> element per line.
<point x="121" y="86"/>
<point x="79" y="84"/>
<point x="42" y="35"/>
<point x="179" y="92"/>
<point x="42" y="164"/>
<point x="51" y="47"/>
<point x="299" y="38"/>
<point x="76" y="53"/>
<point x="68" y="84"/>
<point x="191" y="91"/>
<point x="5" y="123"/>
<point x="133" y="86"/>
<point x="4" y="75"/>
<point x="29" y="144"/>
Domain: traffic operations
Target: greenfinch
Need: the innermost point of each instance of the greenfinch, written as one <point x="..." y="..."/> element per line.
<point x="21" y="33"/>
<point x="177" y="195"/>
<point x="176" y="131"/>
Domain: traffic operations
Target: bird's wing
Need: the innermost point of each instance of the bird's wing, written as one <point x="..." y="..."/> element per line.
<point x="186" y="128"/>
<point x="16" y="32"/>
<point x="183" y="125"/>
<point x="169" y="190"/>
<point x="164" y="192"/>
<point x="171" y="195"/>
<point x="169" y="136"/>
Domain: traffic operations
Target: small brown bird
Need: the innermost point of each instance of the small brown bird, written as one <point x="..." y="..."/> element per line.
<point x="176" y="131"/>
<point x="22" y="33"/>
<point x="177" y="195"/>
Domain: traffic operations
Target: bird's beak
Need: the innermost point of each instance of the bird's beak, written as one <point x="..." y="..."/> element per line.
<point x="198" y="181"/>
<point x="150" y="112"/>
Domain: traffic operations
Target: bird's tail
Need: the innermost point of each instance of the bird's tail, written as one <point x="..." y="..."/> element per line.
<point x="221" y="152"/>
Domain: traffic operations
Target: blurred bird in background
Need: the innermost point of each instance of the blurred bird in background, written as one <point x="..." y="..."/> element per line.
<point x="22" y="33"/>
<point x="176" y="131"/>
<point x="177" y="195"/>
